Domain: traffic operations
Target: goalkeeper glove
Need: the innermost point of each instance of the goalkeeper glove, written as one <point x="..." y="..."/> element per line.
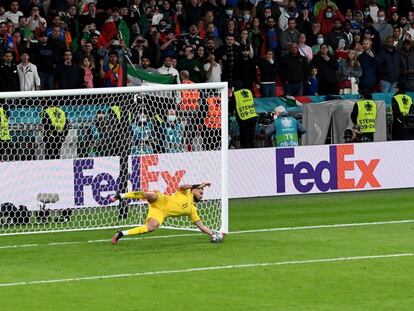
<point x="115" y="197"/>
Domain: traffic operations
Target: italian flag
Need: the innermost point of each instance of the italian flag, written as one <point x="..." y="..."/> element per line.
<point x="110" y="31"/>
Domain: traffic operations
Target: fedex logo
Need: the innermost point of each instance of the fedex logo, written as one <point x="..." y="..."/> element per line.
<point x="144" y="171"/>
<point x="305" y="176"/>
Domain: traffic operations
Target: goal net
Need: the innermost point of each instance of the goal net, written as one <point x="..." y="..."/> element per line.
<point x="64" y="152"/>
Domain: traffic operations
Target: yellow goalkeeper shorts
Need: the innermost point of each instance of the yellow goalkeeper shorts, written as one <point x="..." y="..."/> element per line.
<point x="156" y="209"/>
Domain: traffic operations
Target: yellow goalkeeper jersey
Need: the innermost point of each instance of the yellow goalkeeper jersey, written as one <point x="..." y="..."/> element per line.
<point x="180" y="203"/>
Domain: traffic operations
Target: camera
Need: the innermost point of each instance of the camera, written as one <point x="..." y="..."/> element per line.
<point x="353" y="135"/>
<point x="265" y="118"/>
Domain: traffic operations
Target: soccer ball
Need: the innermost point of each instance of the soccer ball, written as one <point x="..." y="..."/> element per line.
<point x="217" y="237"/>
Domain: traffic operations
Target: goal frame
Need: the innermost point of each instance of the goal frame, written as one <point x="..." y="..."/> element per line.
<point x="222" y="86"/>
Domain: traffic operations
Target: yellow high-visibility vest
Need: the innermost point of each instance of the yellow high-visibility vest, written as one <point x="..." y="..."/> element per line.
<point x="404" y="103"/>
<point x="245" y="104"/>
<point x="57" y="117"/>
<point x="4" y="126"/>
<point x="367" y="115"/>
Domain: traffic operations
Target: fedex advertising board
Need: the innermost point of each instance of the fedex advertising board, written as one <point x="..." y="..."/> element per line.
<point x="317" y="169"/>
<point x="88" y="182"/>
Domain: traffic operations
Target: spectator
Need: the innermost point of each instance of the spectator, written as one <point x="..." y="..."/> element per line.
<point x="192" y="65"/>
<point x="327" y="17"/>
<point x="323" y="4"/>
<point x="368" y="64"/>
<point x="287" y="14"/>
<point x="111" y="72"/>
<point x="373" y="10"/>
<point x="246" y="68"/>
<point x="384" y="29"/>
<point x="87" y="72"/>
<point x="357" y="44"/>
<point x="294" y="69"/>
<point x="369" y="32"/>
<point x="388" y="60"/>
<point x="341" y="52"/>
<point x="143" y="134"/>
<point x="407" y="65"/>
<point x="245" y="42"/>
<point x="68" y="75"/>
<point x="358" y="22"/>
<point x="349" y="72"/>
<point x="304" y="49"/>
<point x="9" y="81"/>
<point x="319" y="41"/>
<point x="45" y="58"/>
<point x="397" y="37"/>
<point x="406" y="29"/>
<point x="36" y="23"/>
<point x="289" y="36"/>
<point x="227" y="55"/>
<point x="212" y="69"/>
<point x="13" y="13"/>
<point x="272" y="6"/>
<point x="255" y="35"/>
<point x="28" y="76"/>
<point x="270" y="37"/>
<point x="312" y="88"/>
<point x="268" y="75"/>
<point x="201" y="54"/>
<point x="86" y="49"/>
<point x="336" y="35"/>
<point x="57" y="44"/>
<point x="347" y="32"/>
<point x="139" y="48"/>
<point x="167" y="68"/>
<point x="327" y="67"/>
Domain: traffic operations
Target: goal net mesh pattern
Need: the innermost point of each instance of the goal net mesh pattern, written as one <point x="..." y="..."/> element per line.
<point x="64" y="153"/>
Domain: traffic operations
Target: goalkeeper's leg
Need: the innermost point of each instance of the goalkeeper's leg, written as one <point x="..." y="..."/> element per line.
<point x="138" y="195"/>
<point x="154" y="219"/>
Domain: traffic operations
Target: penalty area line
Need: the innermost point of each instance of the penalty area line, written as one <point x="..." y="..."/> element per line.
<point x="156" y="237"/>
<point x="212" y="268"/>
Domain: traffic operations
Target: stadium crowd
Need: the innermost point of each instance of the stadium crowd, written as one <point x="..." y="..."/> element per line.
<point x="270" y="47"/>
<point x="273" y="46"/>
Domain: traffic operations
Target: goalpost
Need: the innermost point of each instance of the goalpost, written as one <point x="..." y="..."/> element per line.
<point x="63" y="152"/>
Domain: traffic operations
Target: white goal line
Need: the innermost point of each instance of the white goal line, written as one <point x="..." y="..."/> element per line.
<point x="213" y="268"/>
<point x="358" y="224"/>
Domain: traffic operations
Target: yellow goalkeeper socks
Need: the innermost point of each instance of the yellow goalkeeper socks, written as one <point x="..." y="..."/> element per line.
<point x="137" y="230"/>
<point x="133" y="195"/>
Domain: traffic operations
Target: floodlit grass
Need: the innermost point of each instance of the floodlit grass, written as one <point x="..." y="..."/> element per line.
<point x="297" y="276"/>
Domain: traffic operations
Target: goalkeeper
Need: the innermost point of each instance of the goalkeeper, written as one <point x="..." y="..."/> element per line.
<point x="180" y="203"/>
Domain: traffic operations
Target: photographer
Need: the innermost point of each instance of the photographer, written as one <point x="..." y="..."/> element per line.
<point x="353" y="135"/>
<point x="285" y="130"/>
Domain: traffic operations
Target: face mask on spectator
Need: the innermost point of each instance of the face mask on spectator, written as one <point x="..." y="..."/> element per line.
<point x="246" y="17"/>
<point x="178" y="6"/>
<point x="366" y="13"/>
<point x="266" y="15"/>
<point x="229" y="12"/>
<point x="171" y="118"/>
<point x="328" y="14"/>
<point x="381" y="18"/>
<point x="319" y="41"/>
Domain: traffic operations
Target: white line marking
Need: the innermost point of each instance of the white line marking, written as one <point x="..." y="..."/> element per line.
<point x="240" y="266"/>
<point x="360" y="224"/>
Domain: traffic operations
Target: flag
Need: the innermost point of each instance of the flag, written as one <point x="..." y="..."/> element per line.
<point x="124" y="32"/>
<point x="136" y="74"/>
<point x="108" y="32"/>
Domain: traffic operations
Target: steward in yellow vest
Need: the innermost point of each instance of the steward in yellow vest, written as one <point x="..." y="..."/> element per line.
<point x="55" y="130"/>
<point x="401" y="104"/>
<point x="246" y="116"/>
<point x="364" y="115"/>
<point x="5" y="136"/>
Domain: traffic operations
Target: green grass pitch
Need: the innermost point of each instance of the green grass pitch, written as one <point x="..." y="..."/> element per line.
<point x="365" y="265"/>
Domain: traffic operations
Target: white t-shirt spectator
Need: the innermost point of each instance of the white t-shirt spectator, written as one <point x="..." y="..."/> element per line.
<point x="14" y="17"/>
<point x="28" y="77"/>
<point x="215" y="75"/>
<point x="169" y="71"/>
